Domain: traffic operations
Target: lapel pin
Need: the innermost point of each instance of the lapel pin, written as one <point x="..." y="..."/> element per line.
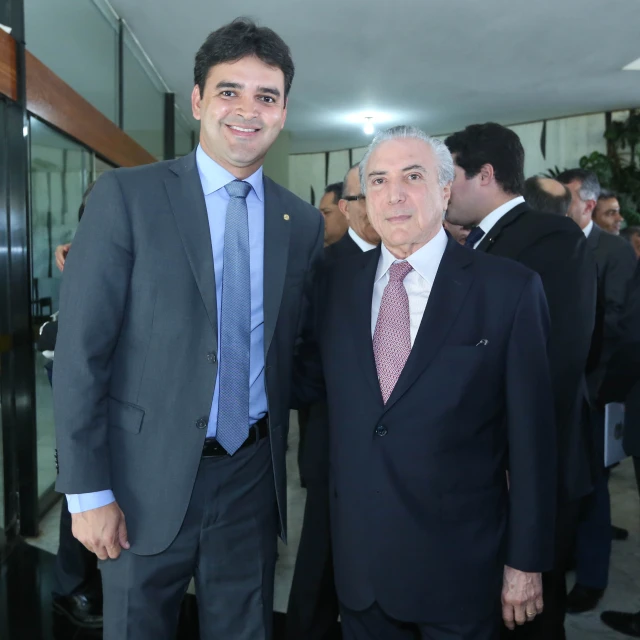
<point x="286" y="216"/>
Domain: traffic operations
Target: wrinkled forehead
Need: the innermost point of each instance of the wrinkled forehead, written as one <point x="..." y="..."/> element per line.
<point x="399" y="154"/>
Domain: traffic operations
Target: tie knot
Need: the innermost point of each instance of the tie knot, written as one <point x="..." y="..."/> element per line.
<point x="399" y="271"/>
<point x="238" y="189"/>
<point x="475" y="234"/>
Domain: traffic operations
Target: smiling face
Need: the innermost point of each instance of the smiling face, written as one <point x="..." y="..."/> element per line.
<point x="405" y="201"/>
<point x="607" y="215"/>
<point x="241" y="112"/>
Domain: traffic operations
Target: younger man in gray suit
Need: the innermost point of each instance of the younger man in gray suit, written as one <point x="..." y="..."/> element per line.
<point x="180" y="307"/>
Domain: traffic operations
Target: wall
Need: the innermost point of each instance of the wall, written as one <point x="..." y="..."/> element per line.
<point x="276" y="163"/>
<point x="567" y="140"/>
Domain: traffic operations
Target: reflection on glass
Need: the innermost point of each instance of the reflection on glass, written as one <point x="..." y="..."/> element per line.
<point x="143" y="102"/>
<point x="60" y="172"/>
<point x="100" y="167"/>
<point x="88" y="58"/>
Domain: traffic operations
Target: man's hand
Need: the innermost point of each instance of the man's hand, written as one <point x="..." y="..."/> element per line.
<point x="521" y="597"/>
<point x="61" y="255"/>
<point x="103" y="530"/>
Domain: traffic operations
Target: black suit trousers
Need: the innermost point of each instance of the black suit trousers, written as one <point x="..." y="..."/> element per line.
<point x="313" y="609"/>
<point x="375" y="624"/>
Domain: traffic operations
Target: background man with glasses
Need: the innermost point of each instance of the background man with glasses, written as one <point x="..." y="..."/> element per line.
<point x="313" y="604"/>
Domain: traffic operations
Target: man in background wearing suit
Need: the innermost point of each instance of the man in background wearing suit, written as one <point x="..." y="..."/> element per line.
<point x="547" y="195"/>
<point x="360" y="235"/>
<point x="487" y="192"/>
<point x="437" y="382"/>
<point x="607" y="212"/>
<point x="616" y="262"/>
<point x="335" y="225"/>
<point x="622" y="384"/>
<point x="180" y="307"/>
<point x="632" y="236"/>
<point x="313" y="608"/>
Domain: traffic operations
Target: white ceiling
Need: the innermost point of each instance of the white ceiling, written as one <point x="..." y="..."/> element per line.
<point x="440" y="64"/>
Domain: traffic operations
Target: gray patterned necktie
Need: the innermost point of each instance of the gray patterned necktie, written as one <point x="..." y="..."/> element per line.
<point x="235" y="323"/>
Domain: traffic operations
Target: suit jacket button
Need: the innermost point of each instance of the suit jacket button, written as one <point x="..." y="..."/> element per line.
<point x="381" y="430"/>
<point x="202" y="423"/>
<point x="211" y="357"/>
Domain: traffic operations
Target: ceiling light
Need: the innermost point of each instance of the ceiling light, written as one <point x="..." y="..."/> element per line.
<point x="369" y="129"/>
<point x="632" y="66"/>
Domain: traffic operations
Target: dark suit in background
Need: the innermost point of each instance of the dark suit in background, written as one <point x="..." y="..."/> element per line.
<point x="616" y="262"/>
<point x="622" y="384"/>
<point x="622" y="379"/>
<point x="77" y="590"/>
<point x="136" y="365"/>
<point x="422" y="521"/>
<point x="313" y="608"/>
<point x="555" y="248"/>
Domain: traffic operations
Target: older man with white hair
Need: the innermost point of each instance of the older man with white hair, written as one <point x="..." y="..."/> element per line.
<point x="437" y="382"/>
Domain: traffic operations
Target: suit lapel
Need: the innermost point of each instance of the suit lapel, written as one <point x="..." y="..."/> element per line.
<point x="277" y="231"/>
<point x="361" y="299"/>
<point x="190" y="211"/>
<point x="453" y="279"/>
<point x="507" y="219"/>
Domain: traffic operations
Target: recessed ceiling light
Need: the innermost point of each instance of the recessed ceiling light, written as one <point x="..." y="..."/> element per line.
<point x="369" y="129"/>
<point x="632" y="66"/>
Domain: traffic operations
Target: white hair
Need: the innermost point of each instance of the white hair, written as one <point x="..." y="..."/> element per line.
<point x="446" y="171"/>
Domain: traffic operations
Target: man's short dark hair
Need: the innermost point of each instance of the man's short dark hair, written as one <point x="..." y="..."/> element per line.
<point x="336" y="189"/>
<point x="493" y="144"/>
<point x="541" y="200"/>
<point x="590" y="189"/>
<point x="607" y="194"/>
<point x="239" y="39"/>
<point x="628" y="232"/>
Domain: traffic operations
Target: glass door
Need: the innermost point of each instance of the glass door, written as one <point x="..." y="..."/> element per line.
<point x="61" y="171"/>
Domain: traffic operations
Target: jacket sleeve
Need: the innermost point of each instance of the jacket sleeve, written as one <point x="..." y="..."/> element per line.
<point x="93" y="299"/>
<point x="533" y="477"/>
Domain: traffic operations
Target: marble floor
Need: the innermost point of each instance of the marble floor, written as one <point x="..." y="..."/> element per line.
<point x="623" y="592"/>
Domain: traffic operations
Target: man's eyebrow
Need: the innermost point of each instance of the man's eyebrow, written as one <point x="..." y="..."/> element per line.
<point x="272" y="90"/>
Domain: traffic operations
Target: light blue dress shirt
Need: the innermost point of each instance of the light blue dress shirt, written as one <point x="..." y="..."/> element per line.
<point x="213" y="179"/>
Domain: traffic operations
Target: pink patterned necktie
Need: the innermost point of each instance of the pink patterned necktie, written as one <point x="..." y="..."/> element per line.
<point x="392" y="336"/>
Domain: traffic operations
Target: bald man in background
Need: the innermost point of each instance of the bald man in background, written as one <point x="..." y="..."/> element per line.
<point x="547" y="195"/>
<point x="335" y="224"/>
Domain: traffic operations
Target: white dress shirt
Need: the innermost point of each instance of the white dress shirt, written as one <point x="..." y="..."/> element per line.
<point x="363" y="244"/>
<point x="488" y="223"/>
<point x="425" y="262"/>
<point x="587" y="230"/>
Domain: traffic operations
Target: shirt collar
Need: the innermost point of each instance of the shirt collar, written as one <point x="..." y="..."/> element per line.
<point x="488" y="223"/>
<point x="425" y="260"/>
<point x="214" y="177"/>
<point x="363" y="244"/>
<point x="588" y="229"/>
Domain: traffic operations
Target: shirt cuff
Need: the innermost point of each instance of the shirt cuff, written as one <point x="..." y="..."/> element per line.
<point x="79" y="502"/>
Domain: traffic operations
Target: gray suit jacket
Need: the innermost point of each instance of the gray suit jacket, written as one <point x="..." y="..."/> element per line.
<point x="136" y="356"/>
